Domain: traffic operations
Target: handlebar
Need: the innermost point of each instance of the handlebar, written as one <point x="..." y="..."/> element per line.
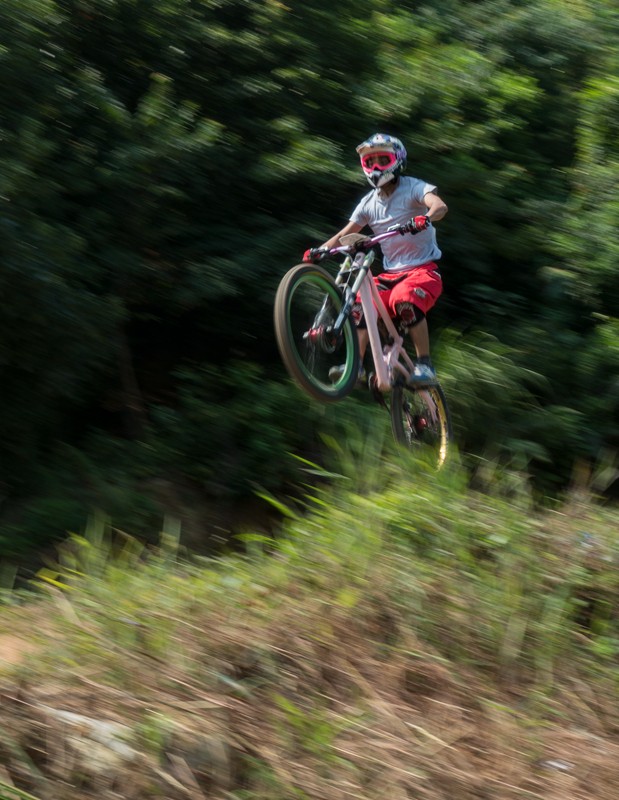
<point x="364" y="243"/>
<point x="359" y="243"/>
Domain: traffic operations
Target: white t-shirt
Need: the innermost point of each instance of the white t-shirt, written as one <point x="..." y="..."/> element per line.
<point x="380" y="211"/>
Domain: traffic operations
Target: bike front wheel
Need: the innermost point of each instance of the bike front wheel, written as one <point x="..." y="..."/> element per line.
<point x="307" y="304"/>
<point x="420" y="420"/>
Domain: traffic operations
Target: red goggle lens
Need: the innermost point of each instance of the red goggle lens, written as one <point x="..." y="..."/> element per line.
<point x="381" y="161"/>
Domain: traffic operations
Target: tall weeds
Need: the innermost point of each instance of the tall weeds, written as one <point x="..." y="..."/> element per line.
<point x="380" y="589"/>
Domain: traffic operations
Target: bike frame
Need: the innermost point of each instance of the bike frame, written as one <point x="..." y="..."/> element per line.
<point x="391" y="359"/>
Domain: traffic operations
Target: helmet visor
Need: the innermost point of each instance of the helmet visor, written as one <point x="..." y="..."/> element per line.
<point x="378" y="160"/>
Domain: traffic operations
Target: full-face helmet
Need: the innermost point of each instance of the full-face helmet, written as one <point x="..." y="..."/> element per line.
<point x="383" y="158"/>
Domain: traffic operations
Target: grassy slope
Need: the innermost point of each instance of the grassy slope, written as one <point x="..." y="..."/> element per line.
<point x="402" y="640"/>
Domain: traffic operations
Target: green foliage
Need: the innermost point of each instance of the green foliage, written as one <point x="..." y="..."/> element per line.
<point x="164" y="164"/>
<point x="234" y="429"/>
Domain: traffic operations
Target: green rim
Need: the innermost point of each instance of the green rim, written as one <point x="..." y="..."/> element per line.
<point x="349" y="332"/>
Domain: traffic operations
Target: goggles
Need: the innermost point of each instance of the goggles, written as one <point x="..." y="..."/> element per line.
<point x="380" y="161"/>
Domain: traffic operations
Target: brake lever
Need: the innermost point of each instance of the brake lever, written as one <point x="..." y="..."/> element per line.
<point x="401" y="229"/>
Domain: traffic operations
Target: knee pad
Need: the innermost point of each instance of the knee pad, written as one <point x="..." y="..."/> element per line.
<point x="409" y="314"/>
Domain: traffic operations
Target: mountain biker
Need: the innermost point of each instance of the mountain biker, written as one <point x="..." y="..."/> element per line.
<point x="410" y="283"/>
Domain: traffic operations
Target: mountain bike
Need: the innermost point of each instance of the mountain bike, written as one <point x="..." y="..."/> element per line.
<point x="318" y="343"/>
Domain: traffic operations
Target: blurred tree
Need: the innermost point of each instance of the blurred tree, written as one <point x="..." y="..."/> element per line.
<point x="163" y="164"/>
<point x="157" y="166"/>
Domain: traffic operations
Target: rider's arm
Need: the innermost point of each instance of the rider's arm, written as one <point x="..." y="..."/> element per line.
<point x="351" y="227"/>
<point x="437" y="208"/>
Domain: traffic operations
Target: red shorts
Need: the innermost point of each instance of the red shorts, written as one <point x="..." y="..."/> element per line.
<point x="402" y="292"/>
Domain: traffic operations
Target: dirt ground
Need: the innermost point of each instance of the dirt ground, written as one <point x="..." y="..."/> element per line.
<point x="14" y="650"/>
<point x="339" y="722"/>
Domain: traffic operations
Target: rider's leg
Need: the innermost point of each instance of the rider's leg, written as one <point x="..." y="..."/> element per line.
<point x="421" y="338"/>
<point x="414" y="318"/>
<point x="423" y="372"/>
<point x="411" y="299"/>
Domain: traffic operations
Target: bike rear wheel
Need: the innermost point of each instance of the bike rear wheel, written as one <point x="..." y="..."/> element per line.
<point x="420" y="420"/>
<point x="307" y="304"/>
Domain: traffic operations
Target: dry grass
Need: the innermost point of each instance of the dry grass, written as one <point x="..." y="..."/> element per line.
<point x="341" y="664"/>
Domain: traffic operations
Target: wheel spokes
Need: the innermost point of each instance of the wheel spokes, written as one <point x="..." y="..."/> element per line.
<point x="423" y="421"/>
<point x="316" y="346"/>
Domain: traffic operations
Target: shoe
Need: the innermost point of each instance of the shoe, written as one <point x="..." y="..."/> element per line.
<point x="422" y="375"/>
<point x="335" y="373"/>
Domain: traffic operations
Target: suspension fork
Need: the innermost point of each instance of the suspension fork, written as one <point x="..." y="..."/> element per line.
<point x="363" y="262"/>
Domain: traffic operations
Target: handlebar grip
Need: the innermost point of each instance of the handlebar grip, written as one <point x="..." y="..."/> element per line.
<point x="315" y="254"/>
<point x="401" y="229"/>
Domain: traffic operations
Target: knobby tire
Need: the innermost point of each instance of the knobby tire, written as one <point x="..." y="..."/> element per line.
<point x="420" y="420"/>
<point x="307" y="302"/>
